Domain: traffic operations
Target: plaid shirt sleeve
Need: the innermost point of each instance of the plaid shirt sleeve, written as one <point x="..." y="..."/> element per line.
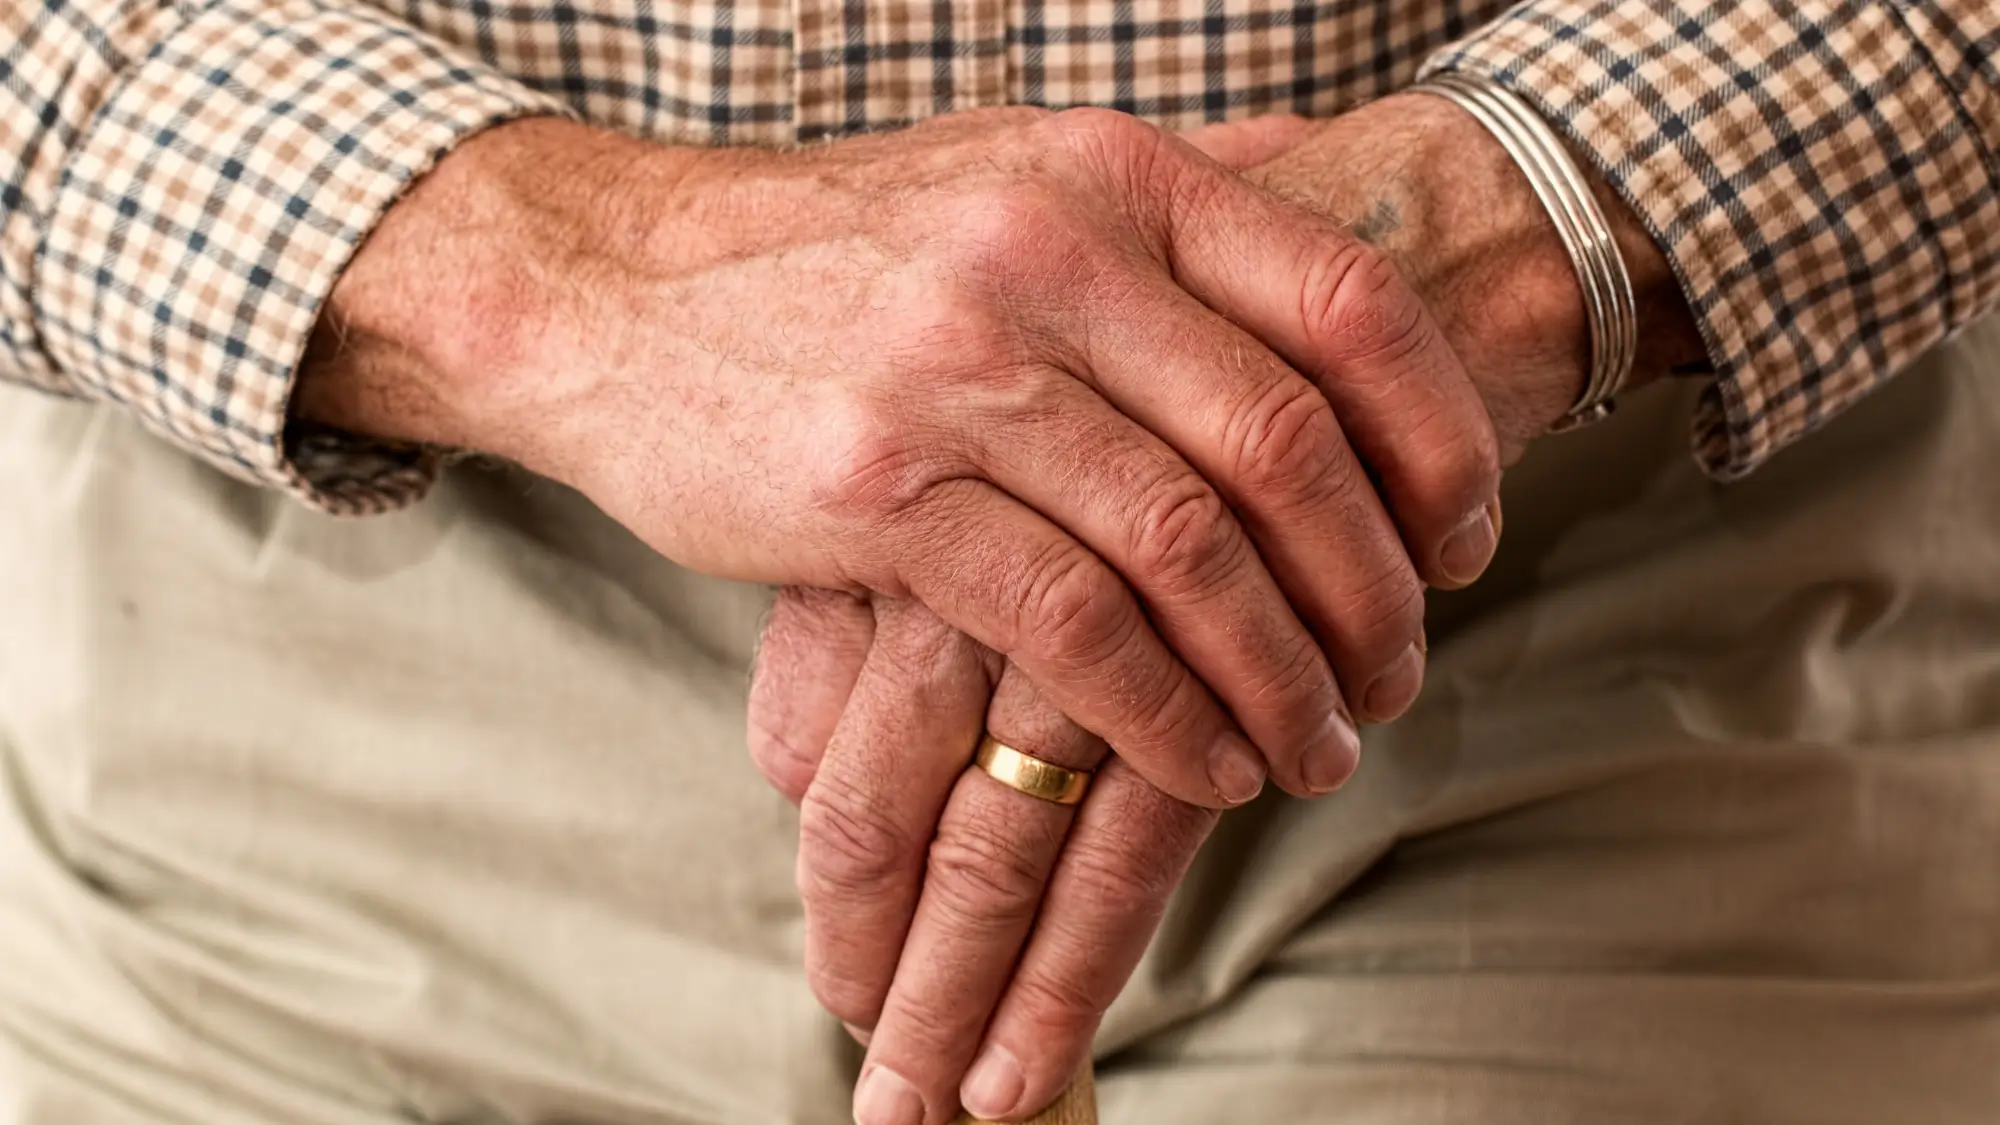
<point x="181" y="182"/>
<point x="1820" y="173"/>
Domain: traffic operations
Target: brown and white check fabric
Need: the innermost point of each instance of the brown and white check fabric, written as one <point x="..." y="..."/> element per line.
<point x="181" y="181"/>
<point x="1821" y="173"/>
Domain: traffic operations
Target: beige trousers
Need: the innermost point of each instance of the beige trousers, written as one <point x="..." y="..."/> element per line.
<point x="445" y="816"/>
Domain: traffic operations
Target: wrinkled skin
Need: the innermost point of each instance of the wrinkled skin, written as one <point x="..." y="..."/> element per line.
<point x="1004" y="927"/>
<point x="1060" y="378"/>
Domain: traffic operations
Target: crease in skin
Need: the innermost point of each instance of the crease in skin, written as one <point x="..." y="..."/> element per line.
<point x="1385" y="220"/>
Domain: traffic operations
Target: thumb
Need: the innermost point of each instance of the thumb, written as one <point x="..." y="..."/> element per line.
<point x="1245" y="144"/>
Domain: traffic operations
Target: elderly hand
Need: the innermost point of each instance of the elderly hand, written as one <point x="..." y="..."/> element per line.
<point x="965" y="916"/>
<point x="939" y="887"/>
<point x="1017" y="366"/>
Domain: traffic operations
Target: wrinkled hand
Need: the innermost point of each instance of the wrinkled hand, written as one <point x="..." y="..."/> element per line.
<point x="1058" y="377"/>
<point x="854" y="703"/>
<point x="917" y="871"/>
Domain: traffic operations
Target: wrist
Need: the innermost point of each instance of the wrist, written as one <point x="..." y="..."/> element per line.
<point x="1426" y="183"/>
<point x="475" y="290"/>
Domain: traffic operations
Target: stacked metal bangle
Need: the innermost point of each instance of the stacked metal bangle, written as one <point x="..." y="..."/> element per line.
<point x="1600" y="268"/>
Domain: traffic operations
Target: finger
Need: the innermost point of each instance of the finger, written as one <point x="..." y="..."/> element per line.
<point x="1252" y="141"/>
<point x="1270" y="442"/>
<point x="1128" y="850"/>
<point x="1023" y="588"/>
<point x="994" y="850"/>
<point x="866" y="822"/>
<point x="1129" y="497"/>
<point x="1342" y="313"/>
<point x="812" y="650"/>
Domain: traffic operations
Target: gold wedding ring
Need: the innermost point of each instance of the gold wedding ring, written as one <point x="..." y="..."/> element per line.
<point x="1030" y="774"/>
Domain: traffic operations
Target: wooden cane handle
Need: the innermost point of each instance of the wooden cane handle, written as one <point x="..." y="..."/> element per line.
<point x="1076" y="1106"/>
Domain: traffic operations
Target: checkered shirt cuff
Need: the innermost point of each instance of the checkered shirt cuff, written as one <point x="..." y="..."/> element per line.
<point x="209" y="203"/>
<point x="1821" y="174"/>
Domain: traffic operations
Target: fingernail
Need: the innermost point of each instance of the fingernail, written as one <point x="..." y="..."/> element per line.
<point x="1235" y="768"/>
<point x="1469" y="548"/>
<point x="886" y="1098"/>
<point x="994" y="1084"/>
<point x="861" y="1034"/>
<point x="1395" y="689"/>
<point x="1331" y="758"/>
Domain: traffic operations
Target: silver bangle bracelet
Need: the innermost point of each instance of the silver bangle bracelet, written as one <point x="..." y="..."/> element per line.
<point x="1609" y="307"/>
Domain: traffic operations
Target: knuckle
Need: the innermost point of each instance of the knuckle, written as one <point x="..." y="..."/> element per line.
<point x="1075" y="607"/>
<point x="1122" y="887"/>
<point x="1384" y="613"/>
<point x="1343" y="487"/>
<point x="1013" y="228"/>
<point x="1185" y="538"/>
<point x="1081" y="622"/>
<point x="1022" y="234"/>
<point x="873" y="469"/>
<point x="846" y="849"/>
<point x="1298" y="682"/>
<point x="1456" y="465"/>
<point x="1283" y="439"/>
<point x="1060" y="999"/>
<point x="939" y="1016"/>
<point x="1356" y="302"/>
<point x="1131" y="867"/>
<point x="982" y="879"/>
<point x="1131" y="155"/>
